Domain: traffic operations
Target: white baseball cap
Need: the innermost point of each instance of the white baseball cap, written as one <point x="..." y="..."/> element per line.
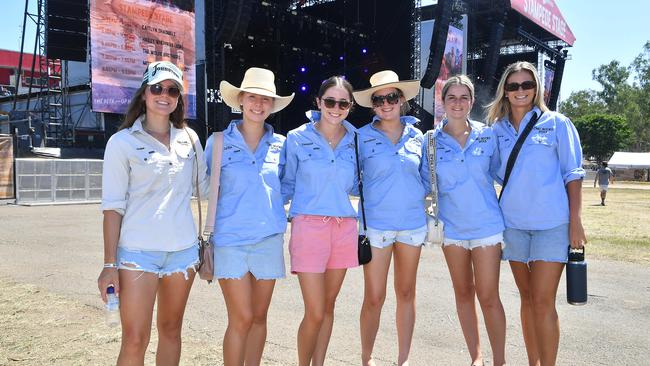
<point x="162" y="70"/>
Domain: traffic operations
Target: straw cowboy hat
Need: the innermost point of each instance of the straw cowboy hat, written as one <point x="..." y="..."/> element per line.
<point x="386" y="79"/>
<point x="256" y="81"/>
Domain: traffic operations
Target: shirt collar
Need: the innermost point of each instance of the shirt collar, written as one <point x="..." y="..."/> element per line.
<point x="232" y="129"/>
<point x="406" y="120"/>
<point x="138" y="127"/>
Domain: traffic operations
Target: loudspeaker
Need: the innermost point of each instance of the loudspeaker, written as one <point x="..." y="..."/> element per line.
<point x="67" y="30"/>
<point x="438" y="43"/>
<point x="557" y="81"/>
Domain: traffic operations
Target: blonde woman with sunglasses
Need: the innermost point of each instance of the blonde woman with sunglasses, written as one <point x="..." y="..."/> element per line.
<point x="541" y="202"/>
<point x="150" y="238"/>
<point x="393" y="185"/>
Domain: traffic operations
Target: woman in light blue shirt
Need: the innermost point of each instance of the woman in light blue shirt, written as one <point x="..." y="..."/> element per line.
<point x="391" y="153"/>
<point x="541" y="202"/>
<point x="320" y="174"/>
<point x="466" y="152"/>
<point x="250" y="220"/>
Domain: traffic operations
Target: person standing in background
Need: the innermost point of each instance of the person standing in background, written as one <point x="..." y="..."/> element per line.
<point x="604" y="177"/>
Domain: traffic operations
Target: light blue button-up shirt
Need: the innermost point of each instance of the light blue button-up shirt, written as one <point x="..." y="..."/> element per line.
<point x="467" y="200"/>
<point x="535" y="197"/>
<point x="393" y="186"/>
<point x="250" y="205"/>
<point x="317" y="179"/>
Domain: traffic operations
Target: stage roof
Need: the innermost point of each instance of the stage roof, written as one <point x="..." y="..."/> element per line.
<point x="629" y="160"/>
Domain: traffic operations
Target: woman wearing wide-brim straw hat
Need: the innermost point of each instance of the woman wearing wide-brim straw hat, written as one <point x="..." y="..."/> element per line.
<point x="250" y="220"/>
<point x="391" y="151"/>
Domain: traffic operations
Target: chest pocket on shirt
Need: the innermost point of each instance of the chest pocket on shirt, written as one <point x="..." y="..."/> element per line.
<point x="271" y="168"/>
<point x="376" y="161"/>
<point x="446" y="170"/>
<point x="236" y="170"/>
<point x="184" y="158"/>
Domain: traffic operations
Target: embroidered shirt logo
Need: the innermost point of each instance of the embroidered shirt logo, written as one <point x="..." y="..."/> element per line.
<point x="540" y="139"/>
<point x="478" y="151"/>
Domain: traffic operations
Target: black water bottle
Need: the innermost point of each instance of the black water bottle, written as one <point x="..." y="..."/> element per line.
<point x="576" y="277"/>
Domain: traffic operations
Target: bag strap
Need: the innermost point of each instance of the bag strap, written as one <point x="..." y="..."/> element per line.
<point x="195" y="167"/>
<point x="215" y="175"/>
<point x="515" y="151"/>
<point x="359" y="174"/>
<point x="432" y="156"/>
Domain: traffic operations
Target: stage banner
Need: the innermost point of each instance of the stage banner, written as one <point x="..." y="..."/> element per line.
<point x="547" y="15"/>
<point x="452" y="64"/>
<point x="126" y="35"/>
<point x="549" y="74"/>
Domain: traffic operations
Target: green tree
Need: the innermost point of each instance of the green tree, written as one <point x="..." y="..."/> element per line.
<point x="602" y="134"/>
<point x="612" y="77"/>
<point x="581" y="103"/>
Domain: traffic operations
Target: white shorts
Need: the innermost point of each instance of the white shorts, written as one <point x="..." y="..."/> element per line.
<point x="604" y="187"/>
<point x="476" y="243"/>
<point x="384" y="238"/>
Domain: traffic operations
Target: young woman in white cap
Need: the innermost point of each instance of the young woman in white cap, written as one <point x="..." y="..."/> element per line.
<point x="466" y="157"/>
<point x="391" y="159"/>
<point x="250" y="220"/>
<point x="150" y="238"/>
<point x="320" y="174"/>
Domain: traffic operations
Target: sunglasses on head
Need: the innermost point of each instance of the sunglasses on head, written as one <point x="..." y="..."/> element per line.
<point x="378" y="100"/>
<point x="526" y="85"/>
<point x="157" y="89"/>
<point x="344" y="105"/>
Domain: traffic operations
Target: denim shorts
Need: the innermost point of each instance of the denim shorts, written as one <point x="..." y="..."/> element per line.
<point x="551" y="245"/>
<point x="476" y="243"/>
<point x="264" y="259"/>
<point x="159" y="262"/>
<point x="385" y="238"/>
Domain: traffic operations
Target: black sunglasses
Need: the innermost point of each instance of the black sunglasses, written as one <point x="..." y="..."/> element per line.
<point x="344" y="105"/>
<point x="526" y="85"/>
<point x="378" y="100"/>
<point x="157" y="89"/>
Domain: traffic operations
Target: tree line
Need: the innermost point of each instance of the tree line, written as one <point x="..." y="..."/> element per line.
<point x="618" y="116"/>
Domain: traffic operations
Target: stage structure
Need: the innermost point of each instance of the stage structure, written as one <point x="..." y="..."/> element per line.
<point x="304" y="42"/>
<point x="61" y="36"/>
<point x="501" y="32"/>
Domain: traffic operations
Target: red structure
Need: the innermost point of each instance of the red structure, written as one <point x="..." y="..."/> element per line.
<point x="9" y="69"/>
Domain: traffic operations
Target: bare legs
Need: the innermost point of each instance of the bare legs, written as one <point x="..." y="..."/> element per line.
<point x="137" y="296"/>
<point x="375" y="280"/>
<point x="247" y="301"/>
<point x="319" y="292"/>
<point x="538" y="283"/>
<point x="476" y="272"/>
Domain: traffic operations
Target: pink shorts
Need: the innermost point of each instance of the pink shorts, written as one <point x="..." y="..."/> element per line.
<point x="319" y="243"/>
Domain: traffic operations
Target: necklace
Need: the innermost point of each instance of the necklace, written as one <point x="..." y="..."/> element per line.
<point x="162" y="137"/>
<point x="334" y="140"/>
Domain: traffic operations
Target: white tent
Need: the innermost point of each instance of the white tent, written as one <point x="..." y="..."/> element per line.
<point x="629" y="160"/>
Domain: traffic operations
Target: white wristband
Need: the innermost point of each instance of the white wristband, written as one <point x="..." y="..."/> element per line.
<point x="110" y="265"/>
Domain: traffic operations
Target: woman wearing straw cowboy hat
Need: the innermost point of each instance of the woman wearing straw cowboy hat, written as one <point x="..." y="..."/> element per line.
<point x="391" y="154"/>
<point x="250" y="219"/>
<point x="150" y="239"/>
<point x="319" y="176"/>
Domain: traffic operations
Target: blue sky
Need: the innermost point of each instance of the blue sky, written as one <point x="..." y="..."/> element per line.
<point x="604" y="32"/>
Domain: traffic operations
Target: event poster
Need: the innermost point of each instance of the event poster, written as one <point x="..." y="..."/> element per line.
<point x="452" y="64"/>
<point x="126" y="35"/>
<point x="549" y="74"/>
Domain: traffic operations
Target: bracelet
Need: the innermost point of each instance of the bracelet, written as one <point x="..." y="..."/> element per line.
<point x="110" y="265"/>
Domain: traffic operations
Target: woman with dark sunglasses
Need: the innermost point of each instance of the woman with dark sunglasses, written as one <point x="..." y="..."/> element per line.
<point x="150" y="238"/>
<point x="320" y="174"/>
<point x="541" y="202"/>
<point x="391" y="159"/>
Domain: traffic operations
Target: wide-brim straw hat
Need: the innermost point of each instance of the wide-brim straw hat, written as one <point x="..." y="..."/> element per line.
<point x="386" y="79"/>
<point x="256" y="81"/>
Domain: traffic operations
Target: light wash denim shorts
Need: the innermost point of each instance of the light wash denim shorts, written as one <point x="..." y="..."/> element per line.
<point x="476" y="243"/>
<point x="385" y="238"/>
<point x="264" y="259"/>
<point x="159" y="262"/>
<point x="526" y="246"/>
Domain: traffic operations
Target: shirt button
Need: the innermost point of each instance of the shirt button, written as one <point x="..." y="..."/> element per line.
<point x="462" y="160"/>
<point x="332" y="160"/>
<point x="145" y="159"/>
<point x="170" y="163"/>
<point x="253" y="162"/>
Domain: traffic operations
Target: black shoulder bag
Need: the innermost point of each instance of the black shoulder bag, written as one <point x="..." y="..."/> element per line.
<point x="364" y="251"/>
<point x="515" y="151"/>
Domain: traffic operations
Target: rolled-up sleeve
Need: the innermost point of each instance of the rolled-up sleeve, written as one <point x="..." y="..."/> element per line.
<point x="569" y="150"/>
<point x="115" y="177"/>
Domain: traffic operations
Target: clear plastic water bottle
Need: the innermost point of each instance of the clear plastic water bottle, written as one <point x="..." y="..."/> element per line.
<point x="112" y="308"/>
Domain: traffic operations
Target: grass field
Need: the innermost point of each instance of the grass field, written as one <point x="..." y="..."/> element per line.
<point x="620" y="230"/>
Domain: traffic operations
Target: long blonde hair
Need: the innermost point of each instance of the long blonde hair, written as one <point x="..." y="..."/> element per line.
<point x="137" y="107"/>
<point x="500" y="106"/>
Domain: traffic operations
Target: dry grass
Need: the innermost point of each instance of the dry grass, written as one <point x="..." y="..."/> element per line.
<point x="620" y="230"/>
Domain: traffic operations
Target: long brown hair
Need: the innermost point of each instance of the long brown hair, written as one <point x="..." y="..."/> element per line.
<point x="137" y="107"/>
<point x="500" y="106"/>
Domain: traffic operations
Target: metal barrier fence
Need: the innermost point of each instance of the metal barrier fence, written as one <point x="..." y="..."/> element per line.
<point x="47" y="181"/>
